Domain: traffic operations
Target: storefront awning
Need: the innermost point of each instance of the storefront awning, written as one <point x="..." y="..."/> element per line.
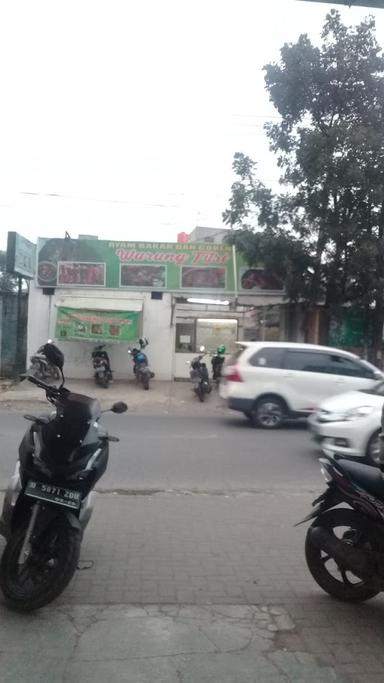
<point x="93" y="303"/>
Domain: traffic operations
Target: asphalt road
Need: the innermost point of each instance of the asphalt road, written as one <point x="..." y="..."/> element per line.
<point x="191" y="453"/>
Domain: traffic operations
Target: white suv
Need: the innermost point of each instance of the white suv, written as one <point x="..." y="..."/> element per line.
<point x="270" y="381"/>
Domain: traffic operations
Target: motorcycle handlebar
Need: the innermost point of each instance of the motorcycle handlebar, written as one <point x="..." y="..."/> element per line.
<point x="54" y="392"/>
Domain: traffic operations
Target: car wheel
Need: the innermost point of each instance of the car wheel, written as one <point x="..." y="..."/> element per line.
<point x="373" y="449"/>
<point x="268" y="413"/>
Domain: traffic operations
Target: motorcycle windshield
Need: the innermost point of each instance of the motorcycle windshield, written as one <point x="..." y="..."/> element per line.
<point x="68" y="429"/>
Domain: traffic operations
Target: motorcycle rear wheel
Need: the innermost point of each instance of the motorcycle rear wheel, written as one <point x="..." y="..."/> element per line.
<point x="47" y="571"/>
<point x="352" y="529"/>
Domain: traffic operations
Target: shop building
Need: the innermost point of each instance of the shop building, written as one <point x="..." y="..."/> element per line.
<point x="178" y="295"/>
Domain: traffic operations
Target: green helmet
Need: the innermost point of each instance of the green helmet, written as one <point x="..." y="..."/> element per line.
<point x="221" y="348"/>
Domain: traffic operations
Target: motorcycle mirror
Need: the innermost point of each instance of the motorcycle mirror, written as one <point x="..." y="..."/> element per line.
<point x="201" y="349"/>
<point x="119" y="407"/>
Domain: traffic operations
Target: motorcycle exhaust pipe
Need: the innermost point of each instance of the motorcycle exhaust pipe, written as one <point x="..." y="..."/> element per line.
<point x="346" y="556"/>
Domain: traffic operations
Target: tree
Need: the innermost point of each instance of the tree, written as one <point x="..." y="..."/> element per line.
<point x="325" y="234"/>
<point x="8" y="283"/>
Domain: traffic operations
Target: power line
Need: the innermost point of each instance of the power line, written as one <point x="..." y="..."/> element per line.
<point x="57" y="195"/>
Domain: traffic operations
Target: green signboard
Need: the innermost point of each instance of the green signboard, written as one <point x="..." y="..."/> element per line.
<point x="21" y="256"/>
<point x="134" y="265"/>
<point x="89" y="325"/>
<point x="188" y="267"/>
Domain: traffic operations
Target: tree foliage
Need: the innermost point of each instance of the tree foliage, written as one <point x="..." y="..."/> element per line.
<point x="8" y="283"/>
<point x="324" y="234"/>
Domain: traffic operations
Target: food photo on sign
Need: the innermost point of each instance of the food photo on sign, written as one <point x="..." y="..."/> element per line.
<point x="195" y="277"/>
<point x="72" y="273"/>
<point x="143" y="276"/>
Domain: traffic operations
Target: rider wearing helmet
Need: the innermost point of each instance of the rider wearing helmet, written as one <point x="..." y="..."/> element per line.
<point x="217" y="362"/>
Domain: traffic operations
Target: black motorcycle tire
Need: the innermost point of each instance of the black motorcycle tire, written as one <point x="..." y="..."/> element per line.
<point x="342" y="590"/>
<point x="146" y="383"/>
<point x="201" y="393"/>
<point x="67" y="545"/>
<point x="102" y="381"/>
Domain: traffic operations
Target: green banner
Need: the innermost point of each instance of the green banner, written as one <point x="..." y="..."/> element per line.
<point x="88" y="325"/>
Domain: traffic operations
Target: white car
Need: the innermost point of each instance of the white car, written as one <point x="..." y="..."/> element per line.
<point x="270" y="381"/>
<point x="349" y="424"/>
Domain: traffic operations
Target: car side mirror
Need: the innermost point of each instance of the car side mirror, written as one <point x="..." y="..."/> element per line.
<point x="119" y="407"/>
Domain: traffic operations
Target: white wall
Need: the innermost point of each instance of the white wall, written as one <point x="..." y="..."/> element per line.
<point x="156" y="320"/>
<point x="181" y="369"/>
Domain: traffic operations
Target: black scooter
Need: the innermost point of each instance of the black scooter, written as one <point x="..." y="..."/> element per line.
<point x="199" y="376"/>
<point x="344" y="547"/>
<point x="102" y="367"/>
<point x="141" y="369"/>
<point x="48" y="503"/>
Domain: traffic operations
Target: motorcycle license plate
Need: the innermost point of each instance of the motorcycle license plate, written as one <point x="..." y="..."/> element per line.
<point x="54" y="494"/>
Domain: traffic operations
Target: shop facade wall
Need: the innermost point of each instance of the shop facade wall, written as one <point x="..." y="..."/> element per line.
<point x="156" y="319"/>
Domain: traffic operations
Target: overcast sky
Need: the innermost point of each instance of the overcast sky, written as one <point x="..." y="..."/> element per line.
<point x="121" y="118"/>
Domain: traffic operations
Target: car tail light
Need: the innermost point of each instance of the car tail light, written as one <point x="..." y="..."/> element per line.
<point x="233" y="374"/>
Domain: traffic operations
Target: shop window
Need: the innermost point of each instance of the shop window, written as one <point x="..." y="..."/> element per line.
<point x="185" y="337"/>
<point x="212" y="332"/>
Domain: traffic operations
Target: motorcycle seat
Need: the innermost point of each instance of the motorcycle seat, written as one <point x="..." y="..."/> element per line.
<point x="368" y="478"/>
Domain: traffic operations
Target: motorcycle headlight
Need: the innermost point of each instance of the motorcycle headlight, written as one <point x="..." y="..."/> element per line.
<point x="356" y="413"/>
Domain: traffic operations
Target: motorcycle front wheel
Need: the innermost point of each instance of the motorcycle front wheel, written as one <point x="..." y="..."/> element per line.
<point x="47" y="571"/>
<point x="351" y="528"/>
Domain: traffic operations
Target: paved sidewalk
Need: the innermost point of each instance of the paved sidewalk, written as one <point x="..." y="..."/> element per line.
<point x="162" y="397"/>
<point x="193" y="588"/>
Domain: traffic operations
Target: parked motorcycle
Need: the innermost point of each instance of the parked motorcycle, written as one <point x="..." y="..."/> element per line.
<point x="41" y="367"/>
<point x="217" y="363"/>
<point x="199" y="376"/>
<point x="48" y="502"/>
<point x="102" y="367"/>
<point x="344" y="547"/>
<point x="141" y="369"/>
